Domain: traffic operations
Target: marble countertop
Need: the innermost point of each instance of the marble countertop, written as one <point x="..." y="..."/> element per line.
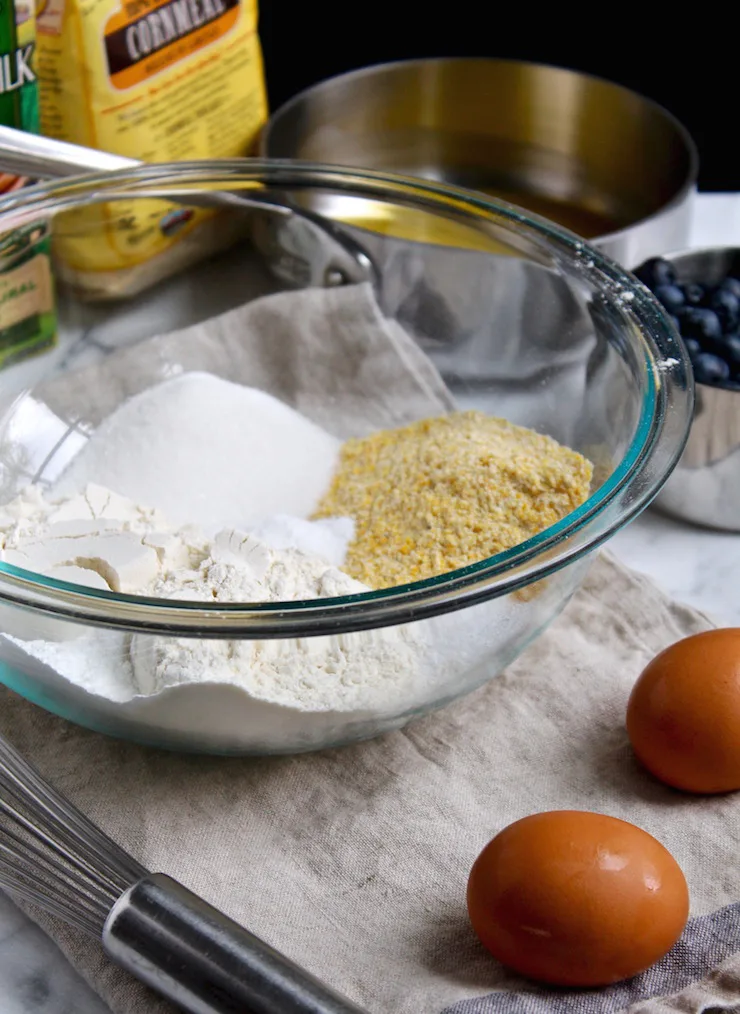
<point x="694" y="565"/>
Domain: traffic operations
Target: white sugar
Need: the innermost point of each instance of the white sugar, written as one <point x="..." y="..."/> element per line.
<point x="208" y="452"/>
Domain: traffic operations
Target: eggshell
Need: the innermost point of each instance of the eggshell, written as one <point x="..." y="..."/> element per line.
<point x="576" y="899"/>
<point x="683" y="716"/>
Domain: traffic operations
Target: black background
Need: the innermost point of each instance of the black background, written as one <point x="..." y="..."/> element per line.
<point x="688" y="63"/>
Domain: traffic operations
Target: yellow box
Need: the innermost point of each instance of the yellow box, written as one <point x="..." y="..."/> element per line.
<point x="156" y="80"/>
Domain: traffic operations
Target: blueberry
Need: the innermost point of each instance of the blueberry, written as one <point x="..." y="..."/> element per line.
<point x="709" y="369"/>
<point x="656" y="272"/>
<point x="731" y="285"/>
<point x="701" y="324"/>
<point x="692" y="347"/>
<point x="730" y="350"/>
<point x="727" y="307"/>
<point x="693" y="293"/>
<point x="670" y="296"/>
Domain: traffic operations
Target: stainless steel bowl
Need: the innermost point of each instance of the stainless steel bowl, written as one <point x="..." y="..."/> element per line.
<point x="604" y="162"/>
<point x="705" y="487"/>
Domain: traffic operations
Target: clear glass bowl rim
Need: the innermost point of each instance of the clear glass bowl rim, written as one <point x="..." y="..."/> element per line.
<point x="667" y="368"/>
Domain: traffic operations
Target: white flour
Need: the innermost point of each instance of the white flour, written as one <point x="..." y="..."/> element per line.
<point x="80" y="539"/>
<point x="345" y="673"/>
<point x="207" y="452"/>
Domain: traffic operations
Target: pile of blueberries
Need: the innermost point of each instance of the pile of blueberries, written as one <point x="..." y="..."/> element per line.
<point x="706" y="316"/>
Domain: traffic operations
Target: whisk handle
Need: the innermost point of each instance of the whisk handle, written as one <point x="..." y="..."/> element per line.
<point x="196" y="956"/>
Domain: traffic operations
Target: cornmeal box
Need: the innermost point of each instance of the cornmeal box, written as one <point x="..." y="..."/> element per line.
<point x="156" y="80"/>
<point x="27" y="318"/>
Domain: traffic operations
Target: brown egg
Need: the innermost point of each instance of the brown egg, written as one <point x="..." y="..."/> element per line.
<point x="683" y="716"/>
<point x="576" y="899"/>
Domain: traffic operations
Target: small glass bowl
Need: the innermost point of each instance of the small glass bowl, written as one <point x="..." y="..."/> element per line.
<point x="522" y="319"/>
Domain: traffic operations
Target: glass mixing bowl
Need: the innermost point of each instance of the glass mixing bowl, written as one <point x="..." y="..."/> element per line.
<point x="521" y="318"/>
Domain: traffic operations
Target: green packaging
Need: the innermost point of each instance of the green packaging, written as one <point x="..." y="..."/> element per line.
<point x="27" y="316"/>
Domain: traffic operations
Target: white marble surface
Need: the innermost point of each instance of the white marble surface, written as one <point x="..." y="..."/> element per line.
<point x="696" y="566"/>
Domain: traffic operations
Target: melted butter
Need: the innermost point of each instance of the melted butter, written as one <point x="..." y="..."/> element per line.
<point x="423" y="227"/>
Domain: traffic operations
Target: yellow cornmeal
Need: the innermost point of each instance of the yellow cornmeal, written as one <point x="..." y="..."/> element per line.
<point x="449" y="491"/>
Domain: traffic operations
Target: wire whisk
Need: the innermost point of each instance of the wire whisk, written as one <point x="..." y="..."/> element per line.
<point x="54" y="857"/>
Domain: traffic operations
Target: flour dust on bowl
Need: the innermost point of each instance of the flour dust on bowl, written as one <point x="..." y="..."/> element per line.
<point x="290" y="498"/>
